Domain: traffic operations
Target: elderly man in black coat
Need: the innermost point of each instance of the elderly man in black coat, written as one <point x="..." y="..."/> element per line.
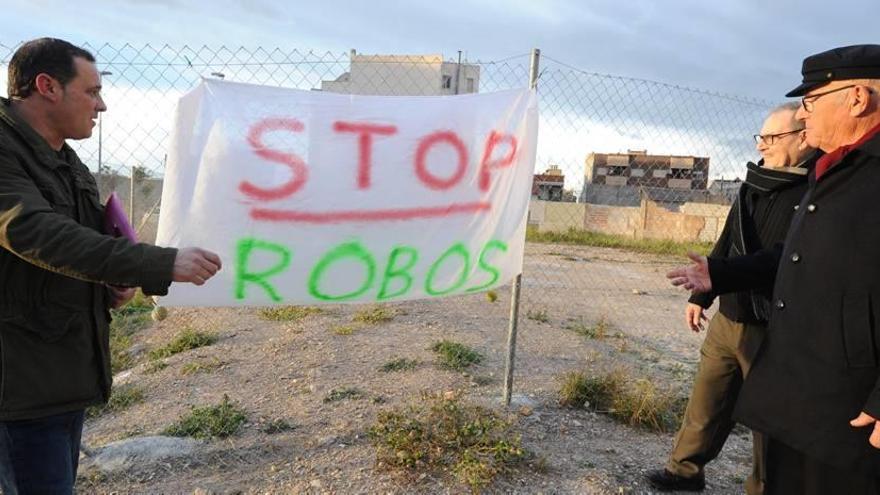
<point x="814" y="388"/>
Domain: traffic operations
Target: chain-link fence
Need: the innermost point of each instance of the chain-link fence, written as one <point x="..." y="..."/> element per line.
<point x="620" y="160"/>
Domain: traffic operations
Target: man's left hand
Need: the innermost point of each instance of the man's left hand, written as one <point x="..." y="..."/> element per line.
<point x="120" y="295"/>
<point x="866" y="419"/>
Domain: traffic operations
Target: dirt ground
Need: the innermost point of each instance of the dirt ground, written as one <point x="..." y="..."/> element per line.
<point x="284" y="370"/>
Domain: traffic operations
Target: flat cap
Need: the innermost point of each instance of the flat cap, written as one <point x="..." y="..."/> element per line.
<point x="837" y="64"/>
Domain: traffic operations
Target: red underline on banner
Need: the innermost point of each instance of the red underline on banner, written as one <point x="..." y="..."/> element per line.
<point x="271" y="215"/>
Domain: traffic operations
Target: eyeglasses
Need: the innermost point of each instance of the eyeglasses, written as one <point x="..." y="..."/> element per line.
<point x="809" y="100"/>
<point x="769" y="139"/>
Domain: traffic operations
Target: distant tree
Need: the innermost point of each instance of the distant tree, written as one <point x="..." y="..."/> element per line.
<point x="141" y="173"/>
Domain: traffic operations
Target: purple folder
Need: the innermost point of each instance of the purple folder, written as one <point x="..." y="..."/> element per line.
<point x="116" y="221"/>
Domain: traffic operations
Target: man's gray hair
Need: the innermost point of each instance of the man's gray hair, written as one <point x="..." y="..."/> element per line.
<point x="789" y="106"/>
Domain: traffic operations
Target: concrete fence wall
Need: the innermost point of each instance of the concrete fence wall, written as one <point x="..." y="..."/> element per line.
<point x="693" y="222"/>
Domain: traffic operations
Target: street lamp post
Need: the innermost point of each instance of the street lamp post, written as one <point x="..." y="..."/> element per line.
<point x="100" y="133"/>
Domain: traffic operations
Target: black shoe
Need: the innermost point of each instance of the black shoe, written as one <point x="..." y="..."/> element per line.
<point x="665" y="481"/>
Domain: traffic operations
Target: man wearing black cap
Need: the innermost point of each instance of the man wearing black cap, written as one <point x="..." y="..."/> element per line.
<point x="814" y="388"/>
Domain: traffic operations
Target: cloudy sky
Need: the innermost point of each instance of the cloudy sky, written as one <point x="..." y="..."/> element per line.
<point x="744" y="47"/>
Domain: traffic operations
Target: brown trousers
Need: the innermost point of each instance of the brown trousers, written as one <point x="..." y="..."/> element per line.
<point x="725" y="358"/>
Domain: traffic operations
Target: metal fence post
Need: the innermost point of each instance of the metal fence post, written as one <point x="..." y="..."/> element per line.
<point x="517" y="283"/>
<point x="131" y="196"/>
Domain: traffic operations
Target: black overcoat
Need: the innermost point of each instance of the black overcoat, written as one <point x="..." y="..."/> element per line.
<point x="818" y="365"/>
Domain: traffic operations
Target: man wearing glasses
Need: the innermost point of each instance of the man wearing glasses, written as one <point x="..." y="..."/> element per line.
<point x="813" y="389"/>
<point x="759" y="218"/>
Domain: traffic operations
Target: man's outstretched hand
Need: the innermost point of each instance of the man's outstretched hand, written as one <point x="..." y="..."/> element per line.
<point x="693" y="277"/>
<point x="195" y="265"/>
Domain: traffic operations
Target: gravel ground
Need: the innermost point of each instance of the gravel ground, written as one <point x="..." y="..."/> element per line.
<point x="278" y="370"/>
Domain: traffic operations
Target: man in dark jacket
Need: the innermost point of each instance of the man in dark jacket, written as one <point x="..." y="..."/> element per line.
<point x="758" y="218"/>
<point x="813" y="389"/>
<point x="59" y="273"/>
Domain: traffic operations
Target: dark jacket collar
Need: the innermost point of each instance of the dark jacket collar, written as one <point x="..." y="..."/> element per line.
<point x="872" y="146"/>
<point x="35" y="141"/>
<point x="765" y="179"/>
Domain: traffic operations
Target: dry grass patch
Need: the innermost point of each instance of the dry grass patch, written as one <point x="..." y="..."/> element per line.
<point x="344" y="329"/>
<point x="221" y="421"/>
<point x="588" y="238"/>
<point x="443" y="435"/>
<point x="344" y="393"/>
<point x="205" y="366"/>
<point x="456" y="356"/>
<point x="598" y="330"/>
<point x="399" y="364"/>
<point x="288" y="313"/>
<point x="375" y="315"/>
<point x="186" y="340"/>
<point x="155" y="366"/>
<point x="276" y="426"/>
<point x="636" y="402"/>
<point x="125" y="322"/>
<point x="121" y="398"/>
<point x="540" y="315"/>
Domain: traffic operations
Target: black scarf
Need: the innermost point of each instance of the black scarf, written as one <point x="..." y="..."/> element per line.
<point x="766" y="181"/>
<point x="772" y="179"/>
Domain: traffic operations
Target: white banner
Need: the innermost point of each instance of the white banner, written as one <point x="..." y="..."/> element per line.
<point x="312" y="197"/>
